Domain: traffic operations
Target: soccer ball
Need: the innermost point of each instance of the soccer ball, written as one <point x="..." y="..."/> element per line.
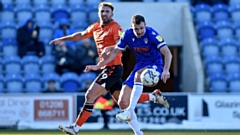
<point x="150" y="77"/>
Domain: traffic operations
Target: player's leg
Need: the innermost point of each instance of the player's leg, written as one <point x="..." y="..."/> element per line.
<point x="92" y="93"/>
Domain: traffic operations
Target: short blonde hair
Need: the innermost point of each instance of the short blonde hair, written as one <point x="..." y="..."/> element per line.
<point x="108" y="4"/>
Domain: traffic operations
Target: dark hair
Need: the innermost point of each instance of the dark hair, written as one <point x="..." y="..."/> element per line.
<point x="137" y="19"/>
<point x="108" y="4"/>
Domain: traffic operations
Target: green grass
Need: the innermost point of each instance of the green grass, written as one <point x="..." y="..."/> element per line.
<point x="118" y="132"/>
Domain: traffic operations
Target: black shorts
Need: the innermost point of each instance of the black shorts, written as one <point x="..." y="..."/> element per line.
<point x="111" y="78"/>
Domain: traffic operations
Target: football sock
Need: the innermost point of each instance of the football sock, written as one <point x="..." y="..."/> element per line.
<point x="152" y="97"/>
<point x="144" y="97"/>
<point x="135" y="95"/>
<point x="83" y="115"/>
<point x="135" y="125"/>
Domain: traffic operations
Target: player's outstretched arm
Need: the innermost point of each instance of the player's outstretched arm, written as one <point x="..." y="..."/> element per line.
<point x="73" y="37"/>
<point x="167" y="63"/>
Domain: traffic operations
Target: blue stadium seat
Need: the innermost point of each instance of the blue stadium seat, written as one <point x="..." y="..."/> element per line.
<point x="57" y="2"/>
<point x="59" y="12"/>
<point x="218" y="82"/>
<point x="235" y="12"/>
<point x="112" y="0"/>
<point x="188" y="1"/>
<point x="78" y="12"/>
<point x="39" y="2"/>
<point x="234" y="2"/>
<point x="7" y="13"/>
<point x="9" y="46"/>
<point x="1" y="65"/>
<point x="93" y="13"/>
<point x="148" y="0"/>
<point x="220" y="12"/>
<point x="206" y="30"/>
<point x="23" y="12"/>
<point x="47" y="64"/>
<point x="228" y="46"/>
<point x="69" y="82"/>
<point x="79" y="26"/>
<point x="74" y="2"/>
<point x="202" y="12"/>
<point x="87" y="77"/>
<point x="224" y="29"/>
<point x="232" y="64"/>
<point x="234" y="82"/>
<point x="89" y="2"/>
<point x="2" y="82"/>
<point x="210" y="47"/>
<point x="42" y="13"/>
<point x="213" y="64"/>
<point x="33" y="83"/>
<point x="23" y="2"/>
<point x="30" y="64"/>
<point x="14" y="83"/>
<point x="46" y="30"/>
<point x="8" y="29"/>
<point x="7" y="1"/>
<point x="236" y="27"/>
<point x="164" y="0"/>
<point x="12" y="64"/>
<point x="51" y="76"/>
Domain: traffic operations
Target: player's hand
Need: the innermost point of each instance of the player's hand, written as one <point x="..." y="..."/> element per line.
<point x="165" y="76"/>
<point x="56" y="41"/>
<point x="91" y="67"/>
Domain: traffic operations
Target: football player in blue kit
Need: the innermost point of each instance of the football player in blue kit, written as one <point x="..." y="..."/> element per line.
<point x="148" y="47"/>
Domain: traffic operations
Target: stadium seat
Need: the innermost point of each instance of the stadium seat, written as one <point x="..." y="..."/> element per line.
<point x="234" y="2"/>
<point x="234" y="82"/>
<point x="164" y="0"/>
<point x="46" y="30"/>
<point x="30" y="64"/>
<point x="218" y="82"/>
<point x="69" y="82"/>
<point x="228" y="46"/>
<point x="213" y="64"/>
<point x="220" y="12"/>
<point x="12" y="64"/>
<point x="148" y="0"/>
<point x="236" y="27"/>
<point x="39" y="2"/>
<point x="78" y="13"/>
<point x="187" y="1"/>
<point x="79" y="26"/>
<point x="224" y="29"/>
<point x="74" y="2"/>
<point x="51" y="76"/>
<point x="7" y="13"/>
<point x="232" y="64"/>
<point x="33" y="83"/>
<point x="2" y="82"/>
<point x="47" y="64"/>
<point x="59" y="12"/>
<point x="57" y="2"/>
<point x="1" y="65"/>
<point x="7" y="1"/>
<point x="235" y="12"/>
<point x="42" y="13"/>
<point x="206" y="30"/>
<point x="87" y="77"/>
<point x="112" y="0"/>
<point x="14" y="83"/>
<point x="210" y="47"/>
<point x="23" y="12"/>
<point x="202" y="12"/>
<point x="9" y="46"/>
<point x="93" y="13"/>
<point x="8" y="29"/>
<point x="89" y="2"/>
<point x="23" y="2"/>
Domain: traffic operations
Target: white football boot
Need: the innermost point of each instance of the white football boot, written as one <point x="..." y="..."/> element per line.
<point x="69" y="129"/>
<point x="124" y="116"/>
<point x="160" y="99"/>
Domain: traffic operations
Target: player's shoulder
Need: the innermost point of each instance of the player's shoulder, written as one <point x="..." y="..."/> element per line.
<point x="151" y="31"/>
<point x="129" y="31"/>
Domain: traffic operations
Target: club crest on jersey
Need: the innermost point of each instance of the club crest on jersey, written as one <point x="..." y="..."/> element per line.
<point x="145" y="40"/>
<point x="159" y="38"/>
<point x="133" y="39"/>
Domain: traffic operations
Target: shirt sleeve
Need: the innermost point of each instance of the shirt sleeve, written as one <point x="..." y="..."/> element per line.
<point x="117" y="32"/>
<point x="89" y="30"/>
<point x="122" y="43"/>
<point x="157" y="39"/>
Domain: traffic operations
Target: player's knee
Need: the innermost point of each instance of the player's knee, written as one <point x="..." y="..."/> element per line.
<point x="123" y="104"/>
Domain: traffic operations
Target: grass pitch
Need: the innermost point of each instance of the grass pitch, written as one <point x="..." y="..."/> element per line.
<point x="118" y="132"/>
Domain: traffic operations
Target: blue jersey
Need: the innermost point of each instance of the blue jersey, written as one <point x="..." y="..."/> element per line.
<point x="146" y="48"/>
